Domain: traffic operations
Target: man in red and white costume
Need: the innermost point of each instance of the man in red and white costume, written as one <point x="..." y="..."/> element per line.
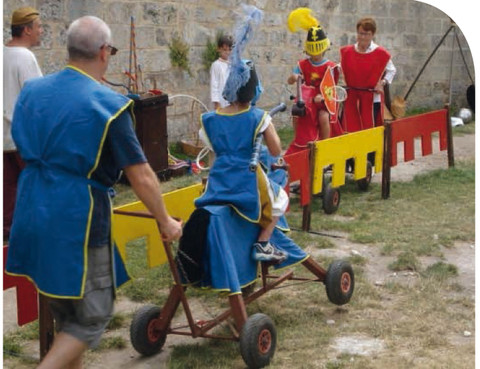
<point x="367" y="68"/>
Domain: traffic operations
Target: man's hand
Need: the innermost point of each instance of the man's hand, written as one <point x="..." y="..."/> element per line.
<point x="379" y="86"/>
<point x="171" y="230"/>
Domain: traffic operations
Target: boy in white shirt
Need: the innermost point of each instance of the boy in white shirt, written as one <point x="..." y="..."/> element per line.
<point x="219" y="72"/>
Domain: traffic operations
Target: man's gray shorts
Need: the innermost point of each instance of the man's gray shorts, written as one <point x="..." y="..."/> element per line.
<point x="86" y="319"/>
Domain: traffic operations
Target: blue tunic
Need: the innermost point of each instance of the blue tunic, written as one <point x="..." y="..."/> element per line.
<point x="230" y="181"/>
<point x="52" y="220"/>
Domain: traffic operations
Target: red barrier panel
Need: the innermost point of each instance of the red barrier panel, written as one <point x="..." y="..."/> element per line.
<point x="299" y="170"/>
<point x="27" y="302"/>
<point x="423" y="125"/>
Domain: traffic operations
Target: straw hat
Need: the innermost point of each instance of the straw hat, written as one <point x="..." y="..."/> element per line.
<point x="24" y="15"/>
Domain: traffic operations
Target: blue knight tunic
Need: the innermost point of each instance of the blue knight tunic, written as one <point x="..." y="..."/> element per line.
<point x="227" y="264"/>
<point x="60" y="124"/>
<point x="230" y="181"/>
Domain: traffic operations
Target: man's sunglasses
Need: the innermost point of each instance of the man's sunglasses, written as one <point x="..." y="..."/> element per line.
<point x="113" y="49"/>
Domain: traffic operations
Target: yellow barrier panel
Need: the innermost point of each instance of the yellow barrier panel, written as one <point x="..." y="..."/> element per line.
<point x="126" y="228"/>
<point x="337" y="150"/>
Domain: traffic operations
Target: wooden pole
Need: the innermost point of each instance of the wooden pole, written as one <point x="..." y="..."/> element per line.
<point x="46" y="326"/>
<point x="386" y="165"/>
<point x="451" y="159"/>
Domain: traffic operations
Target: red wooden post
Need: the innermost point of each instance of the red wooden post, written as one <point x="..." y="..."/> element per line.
<point x="30" y="306"/>
<point x="27" y="307"/>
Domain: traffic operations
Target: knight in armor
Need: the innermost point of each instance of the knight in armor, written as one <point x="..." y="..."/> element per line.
<point x="312" y="70"/>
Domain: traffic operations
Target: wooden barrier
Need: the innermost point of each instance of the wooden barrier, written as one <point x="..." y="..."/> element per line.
<point x="27" y="306"/>
<point x="299" y="170"/>
<point x="179" y="203"/>
<point x="337" y="150"/>
<point x="30" y="306"/>
<point x="406" y="130"/>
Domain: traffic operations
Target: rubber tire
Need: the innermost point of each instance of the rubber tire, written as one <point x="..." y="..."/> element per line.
<point x="330" y="199"/>
<point x="364" y="183"/>
<point x="144" y="340"/>
<point x="339" y="282"/>
<point x="258" y="341"/>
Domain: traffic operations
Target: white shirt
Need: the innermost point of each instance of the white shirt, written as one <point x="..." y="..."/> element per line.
<point x="390" y="69"/>
<point x="218" y="77"/>
<point x="19" y="65"/>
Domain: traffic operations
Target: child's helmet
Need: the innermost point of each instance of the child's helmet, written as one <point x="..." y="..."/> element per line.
<point x="248" y="92"/>
<point x="317" y="42"/>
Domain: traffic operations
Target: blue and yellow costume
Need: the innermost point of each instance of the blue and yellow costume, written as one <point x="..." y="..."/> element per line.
<point x="51" y="228"/>
<point x="230" y="181"/>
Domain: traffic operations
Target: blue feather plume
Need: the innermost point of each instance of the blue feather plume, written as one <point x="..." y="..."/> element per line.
<point x="243" y="33"/>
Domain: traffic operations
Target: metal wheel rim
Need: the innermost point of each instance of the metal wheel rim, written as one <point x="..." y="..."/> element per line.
<point x="153" y="334"/>
<point x="345" y="282"/>
<point x="264" y="341"/>
<point x="336" y="198"/>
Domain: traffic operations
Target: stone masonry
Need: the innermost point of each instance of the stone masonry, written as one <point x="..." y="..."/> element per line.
<point x="410" y="30"/>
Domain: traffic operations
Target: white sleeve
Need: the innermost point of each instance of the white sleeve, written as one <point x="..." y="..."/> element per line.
<point x="215" y="82"/>
<point x="266" y="122"/>
<point x="390" y="72"/>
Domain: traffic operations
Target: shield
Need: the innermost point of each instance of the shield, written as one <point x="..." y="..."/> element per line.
<point x="327" y="89"/>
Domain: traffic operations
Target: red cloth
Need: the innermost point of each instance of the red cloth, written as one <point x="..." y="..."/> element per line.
<point x="361" y="71"/>
<point x="308" y="129"/>
<point x="12" y="166"/>
<point x="313" y="74"/>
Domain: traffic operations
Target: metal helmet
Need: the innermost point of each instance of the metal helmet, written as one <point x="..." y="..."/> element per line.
<point x="317" y="41"/>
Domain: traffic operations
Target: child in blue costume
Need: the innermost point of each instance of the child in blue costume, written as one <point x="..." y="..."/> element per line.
<point x="231" y="132"/>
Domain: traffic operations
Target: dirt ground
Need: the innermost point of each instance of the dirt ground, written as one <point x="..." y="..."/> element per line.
<point x="463" y="254"/>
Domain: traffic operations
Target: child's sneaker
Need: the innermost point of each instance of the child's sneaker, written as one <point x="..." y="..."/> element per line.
<point x="267" y="252"/>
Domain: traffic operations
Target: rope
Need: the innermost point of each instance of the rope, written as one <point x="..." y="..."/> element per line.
<point x="463" y="58"/>
<point x="451" y="71"/>
<point x="424" y="65"/>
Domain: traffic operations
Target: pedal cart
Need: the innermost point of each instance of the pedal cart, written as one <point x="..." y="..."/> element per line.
<point x="305" y="111"/>
<point x="256" y="334"/>
<point x="215" y="253"/>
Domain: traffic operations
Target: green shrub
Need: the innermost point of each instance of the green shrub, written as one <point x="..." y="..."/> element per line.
<point x="179" y="54"/>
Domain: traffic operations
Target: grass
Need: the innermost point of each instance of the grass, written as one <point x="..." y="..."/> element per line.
<point x="422" y="219"/>
<point x="14" y="342"/>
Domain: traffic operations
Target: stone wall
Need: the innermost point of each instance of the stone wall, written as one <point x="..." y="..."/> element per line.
<point x="410" y="30"/>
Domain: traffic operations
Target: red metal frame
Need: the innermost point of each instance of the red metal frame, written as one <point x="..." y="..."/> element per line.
<point x="237" y="302"/>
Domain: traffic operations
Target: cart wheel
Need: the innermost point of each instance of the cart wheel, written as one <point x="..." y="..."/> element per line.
<point x="339" y="282"/>
<point x="330" y="199"/>
<point x="258" y="341"/>
<point x="145" y="338"/>
<point x="363" y="183"/>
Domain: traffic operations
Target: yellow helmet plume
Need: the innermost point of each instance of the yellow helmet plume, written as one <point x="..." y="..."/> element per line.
<point x="301" y="18"/>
